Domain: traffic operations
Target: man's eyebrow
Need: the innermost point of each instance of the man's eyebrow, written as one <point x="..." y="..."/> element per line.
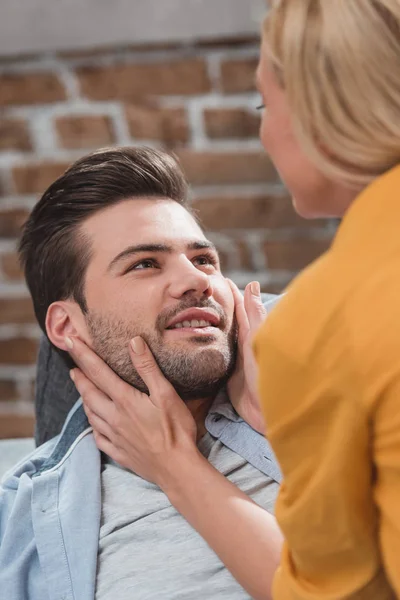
<point x="138" y="249"/>
<point x="202" y="245"/>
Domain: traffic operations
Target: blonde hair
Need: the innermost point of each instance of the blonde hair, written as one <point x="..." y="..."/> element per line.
<point x="339" y="63"/>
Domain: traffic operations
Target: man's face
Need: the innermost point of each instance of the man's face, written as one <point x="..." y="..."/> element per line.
<point x="153" y="273"/>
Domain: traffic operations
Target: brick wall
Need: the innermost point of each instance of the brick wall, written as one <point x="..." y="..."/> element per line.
<point x="198" y="101"/>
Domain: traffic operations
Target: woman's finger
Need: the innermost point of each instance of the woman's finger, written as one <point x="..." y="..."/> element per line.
<point x="254" y="307"/>
<point x="94" y="399"/>
<point x="96" y="370"/>
<point x="99" y="424"/>
<point x="240" y="312"/>
<point x="104" y="445"/>
<point x="145" y="364"/>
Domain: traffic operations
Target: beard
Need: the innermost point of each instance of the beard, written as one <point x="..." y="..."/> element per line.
<point x="197" y="371"/>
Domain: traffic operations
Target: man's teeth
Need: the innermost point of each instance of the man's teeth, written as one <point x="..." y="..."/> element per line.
<point x="193" y="323"/>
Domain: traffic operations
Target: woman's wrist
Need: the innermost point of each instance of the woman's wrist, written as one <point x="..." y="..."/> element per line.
<point x="183" y="473"/>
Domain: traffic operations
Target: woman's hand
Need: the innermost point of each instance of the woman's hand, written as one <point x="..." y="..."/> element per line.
<point x="154" y="436"/>
<point x="242" y="387"/>
<point x="150" y="435"/>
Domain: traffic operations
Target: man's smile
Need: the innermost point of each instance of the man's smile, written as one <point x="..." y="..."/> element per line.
<point x="195" y="318"/>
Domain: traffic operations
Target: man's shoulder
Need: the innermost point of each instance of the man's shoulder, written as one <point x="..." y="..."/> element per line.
<point x="51" y="453"/>
<point x="47" y="487"/>
<point x="30" y="463"/>
<point x="16" y="490"/>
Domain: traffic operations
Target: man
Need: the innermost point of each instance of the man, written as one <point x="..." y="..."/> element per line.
<point x="110" y="252"/>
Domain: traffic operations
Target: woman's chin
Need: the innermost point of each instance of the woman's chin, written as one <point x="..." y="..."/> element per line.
<point x="307" y="209"/>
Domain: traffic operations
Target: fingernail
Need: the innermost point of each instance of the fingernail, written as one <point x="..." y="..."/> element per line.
<point x="69" y="343"/>
<point x="138" y="345"/>
<point x="72" y="374"/>
<point x="255" y="288"/>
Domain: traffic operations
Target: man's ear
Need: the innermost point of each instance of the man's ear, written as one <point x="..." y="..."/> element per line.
<point x="65" y="319"/>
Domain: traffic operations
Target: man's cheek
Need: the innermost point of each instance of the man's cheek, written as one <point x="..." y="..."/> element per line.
<point x="228" y="300"/>
<point x="225" y="299"/>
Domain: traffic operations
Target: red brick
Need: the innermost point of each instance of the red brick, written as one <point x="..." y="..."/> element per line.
<point x="8" y="390"/>
<point x="231" y="123"/>
<point x="16" y="310"/>
<point x="84" y="131"/>
<point x="293" y="255"/>
<point x="11" y="267"/>
<point x="35" y="178"/>
<point x="168" y="125"/>
<point x="16" y="426"/>
<point x="30" y="88"/>
<point x="250" y="212"/>
<point x="14" y="135"/>
<point x="182" y="77"/>
<point x="11" y="222"/>
<point x="32" y="391"/>
<point x="238" y="76"/>
<point x="208" y="168"/>
<point x="18" y="351"/>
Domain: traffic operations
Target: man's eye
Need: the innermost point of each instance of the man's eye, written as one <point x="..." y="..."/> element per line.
<point x="205" y="261"/>
<point x="142" y="265"/>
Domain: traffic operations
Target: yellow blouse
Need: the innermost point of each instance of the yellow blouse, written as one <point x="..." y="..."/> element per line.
<point x="329" y="359"/>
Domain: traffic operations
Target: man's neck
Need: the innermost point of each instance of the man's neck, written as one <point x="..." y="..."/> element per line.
<point x="199" y="409"/>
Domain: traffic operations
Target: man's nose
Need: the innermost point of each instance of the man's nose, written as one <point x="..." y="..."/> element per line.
<point x="188" y="279"/>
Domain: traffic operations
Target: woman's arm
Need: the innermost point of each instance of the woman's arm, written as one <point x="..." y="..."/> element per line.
<point x="154" y="436"/>
<point x="246" y="537"/>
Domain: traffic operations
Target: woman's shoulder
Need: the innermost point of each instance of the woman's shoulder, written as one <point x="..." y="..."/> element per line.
<point x="307" y="316"/>
<point x="309" y="297"/>
<point x="372" y="311"/>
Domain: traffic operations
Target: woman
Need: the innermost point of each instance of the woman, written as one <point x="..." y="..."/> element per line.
<point x="329" y="355"/>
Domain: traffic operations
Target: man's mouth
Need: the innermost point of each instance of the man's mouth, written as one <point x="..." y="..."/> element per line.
<point x="193" y="324"/>
<point x="196" y="320"/>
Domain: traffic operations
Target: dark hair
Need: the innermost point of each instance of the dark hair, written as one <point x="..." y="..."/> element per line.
<point x="53" y="252"/>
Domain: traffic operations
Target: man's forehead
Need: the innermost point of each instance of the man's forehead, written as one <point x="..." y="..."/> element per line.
<point x="138" y="214"/>
<point x="141" y="222"/>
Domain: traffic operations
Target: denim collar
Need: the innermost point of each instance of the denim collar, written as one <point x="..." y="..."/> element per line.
<point x="74" y="426"/>
<point x="222" y="422"/>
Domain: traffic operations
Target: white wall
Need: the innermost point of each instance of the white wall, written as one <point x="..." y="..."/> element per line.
<point x="28" y="26"/>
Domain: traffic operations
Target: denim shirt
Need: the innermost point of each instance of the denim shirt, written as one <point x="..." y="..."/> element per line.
<point x="50" y="506"/>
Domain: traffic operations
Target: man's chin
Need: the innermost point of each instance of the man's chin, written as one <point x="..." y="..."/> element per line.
<point x="194" y="342"/>
<point x="199" y="373"/>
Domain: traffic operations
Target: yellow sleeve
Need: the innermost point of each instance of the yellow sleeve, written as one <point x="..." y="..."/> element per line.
<point x="386" y="448"/>
<point x="321" y="435"/>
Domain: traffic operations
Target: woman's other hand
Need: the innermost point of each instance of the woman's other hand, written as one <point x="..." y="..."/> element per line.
<point x="242" y="387"/>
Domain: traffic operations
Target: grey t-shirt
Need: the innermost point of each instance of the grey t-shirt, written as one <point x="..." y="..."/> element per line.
<point x="148" y="551"/>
